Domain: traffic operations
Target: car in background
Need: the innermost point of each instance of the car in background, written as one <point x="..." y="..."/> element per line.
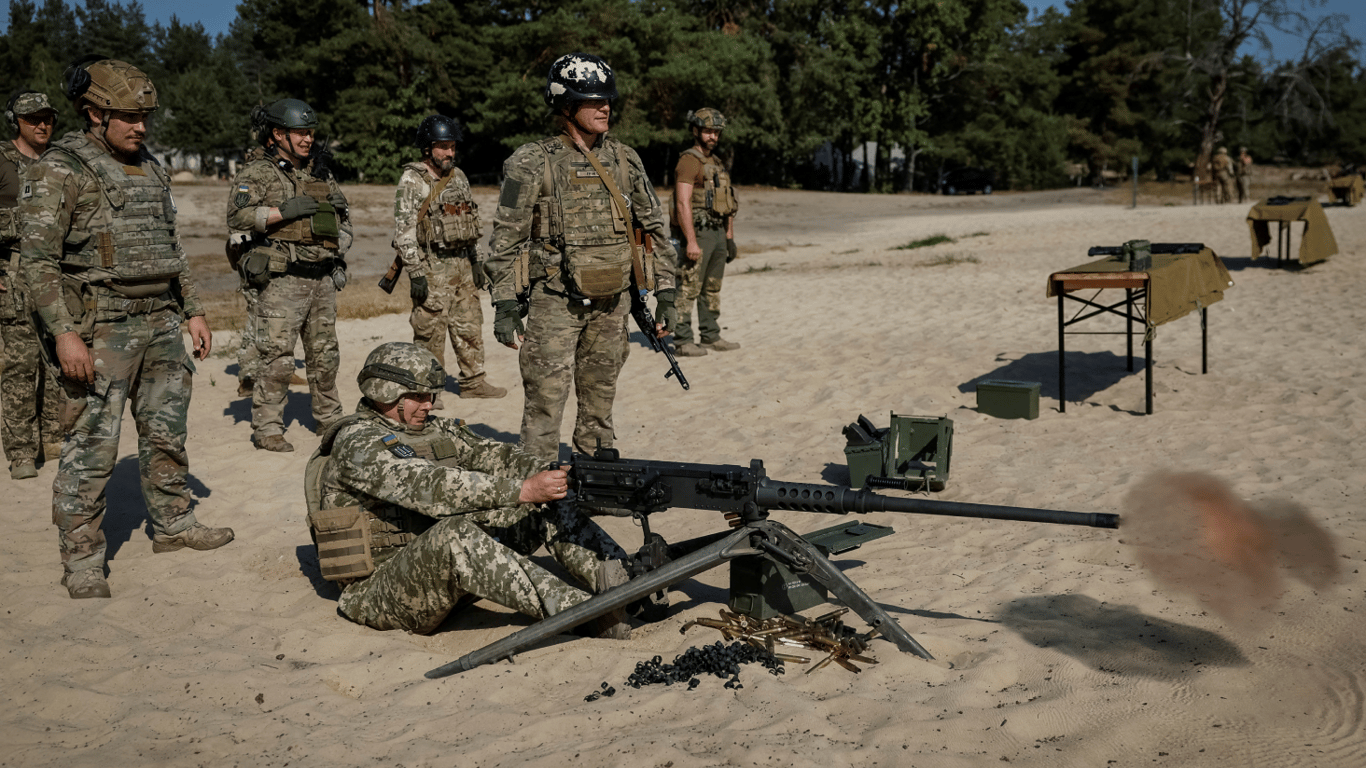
<point x="967" y="181"/>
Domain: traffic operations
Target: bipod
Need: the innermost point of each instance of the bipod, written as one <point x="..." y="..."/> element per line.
<point x="763" y="538"/>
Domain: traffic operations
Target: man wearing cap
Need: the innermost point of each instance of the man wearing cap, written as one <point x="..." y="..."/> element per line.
<point x="112" y="285"/>
<point x="30" y="397"/>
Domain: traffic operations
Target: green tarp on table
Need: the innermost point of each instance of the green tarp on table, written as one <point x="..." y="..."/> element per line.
<point x="1316" y="244"/>
<point x="1178" y="283"/>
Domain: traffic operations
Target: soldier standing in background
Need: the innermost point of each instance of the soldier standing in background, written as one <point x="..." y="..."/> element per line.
<point x="291" y="203"/>
<point x="436" y="232"/>
<point x="1243" y="169"/>
<point x="704" y="224"/>
<point x="30" y="397"/>
<point x="1222" y="165"/>
<point x="112" y="286"/>
<point x="562" y="235"/>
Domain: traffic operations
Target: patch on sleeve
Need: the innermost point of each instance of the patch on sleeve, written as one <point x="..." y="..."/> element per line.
<point x="443" y="448"/>
<point x="242" y="197"/>
<point x="398" y="449"/>
<point x="512" y="189"/>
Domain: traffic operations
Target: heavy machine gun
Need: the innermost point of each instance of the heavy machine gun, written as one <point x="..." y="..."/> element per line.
<point x="744" y="495"/>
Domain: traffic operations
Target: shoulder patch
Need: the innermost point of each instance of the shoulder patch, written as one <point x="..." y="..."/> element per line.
<point x="27" y="191"/>
<point x="398" y="449"/>
<point x="512" y="188"/>
<point x="242" y="197"/>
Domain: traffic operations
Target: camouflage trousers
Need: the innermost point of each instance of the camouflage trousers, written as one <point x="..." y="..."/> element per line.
<point x="452" y="308"/>
<point x="571" y="343"/>
<point x="248" y="355"/>
<point x="700" y="281"/>
<point x="1225" y="187"/>
<point x="484" y="554"/>
<point x="288" y="308"/>
<point x="142" y="359"/>
<point x="30" y="395"/>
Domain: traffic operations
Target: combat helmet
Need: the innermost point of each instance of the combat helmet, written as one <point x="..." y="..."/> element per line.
<point x="396" y="368"/>
<point x="436" y="128"/>
<point x="578" y="77"/>
<point x="105" y="83"/>
<point x="707" y="117"/>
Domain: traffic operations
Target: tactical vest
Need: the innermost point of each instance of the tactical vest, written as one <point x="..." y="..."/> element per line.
<point x="575" y="213"/>
<point x="715" y="194"/>
<point x="321" y="228"/>
<point x="9" y="214"/>
<point x="134" y="235"/>
<point x="450" y="220"/>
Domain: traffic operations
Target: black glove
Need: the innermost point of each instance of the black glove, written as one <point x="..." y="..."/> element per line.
<point x="417" y="288"/>
<point x="298" y="207"/>
<point x="507" y="321"/>
<point x="664" y="309"/>
<point x="731" y="250"/>
<point x="338" y="201"/>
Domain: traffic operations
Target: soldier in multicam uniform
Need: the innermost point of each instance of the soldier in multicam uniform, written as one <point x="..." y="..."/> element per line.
<point x="436" y="229"/>
<point x="112" y="285"/>
<point x="291" y="203"/>
<point x="704" y="224"/>
<point x="30" y="397"/>
<point x="1242" y="169"/>
<point x="1222" y="165"/>
<point x="562" y="234"/>
<point x="451" y="517"/>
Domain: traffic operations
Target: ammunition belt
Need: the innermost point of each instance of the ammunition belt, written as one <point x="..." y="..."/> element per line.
<point x="312" y="270"/>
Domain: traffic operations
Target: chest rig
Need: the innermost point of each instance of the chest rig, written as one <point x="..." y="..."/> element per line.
<point x="448" y="218"/>
<point x="715" y="195"/>
<point x="321" y="228"/>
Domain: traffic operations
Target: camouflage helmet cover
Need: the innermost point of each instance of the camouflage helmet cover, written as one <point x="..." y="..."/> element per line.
<point x="111" y="84"/>
<point x="578" y="77"/>
<point x="396" y="368"/>
<point x="707" y="117"/>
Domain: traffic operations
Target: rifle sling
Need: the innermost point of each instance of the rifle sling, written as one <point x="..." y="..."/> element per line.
<point x="433" y="194"/>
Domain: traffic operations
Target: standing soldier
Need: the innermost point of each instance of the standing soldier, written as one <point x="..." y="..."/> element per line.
<point x="1222" y="165"/>
<point x="290" y="202"/>
<point x="112" y="286"/>
<point x="1243" y="168"/>
<point x="704" y="223"/>
<point x="436" y="231"/>
<point x="30" y="398"/>
<point x="562" y="237"/>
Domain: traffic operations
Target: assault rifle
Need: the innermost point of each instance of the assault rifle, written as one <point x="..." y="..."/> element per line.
<point x="645" y="321"/>
<point x="744" y="495"/>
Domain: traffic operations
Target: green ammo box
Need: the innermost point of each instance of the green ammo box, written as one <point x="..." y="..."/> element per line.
<point x="912" y="454"/>
<point x="761" y="588"/>
<point x="1008" y="399"/>
<point x="864" y="460"/>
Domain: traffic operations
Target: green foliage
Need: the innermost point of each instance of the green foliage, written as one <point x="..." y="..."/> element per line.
<point x="924" y="242"/>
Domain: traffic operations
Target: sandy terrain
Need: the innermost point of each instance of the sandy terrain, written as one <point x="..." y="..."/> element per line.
<point x="1053" y="645"/>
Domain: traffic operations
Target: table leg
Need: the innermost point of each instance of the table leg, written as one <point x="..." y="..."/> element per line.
<point x="1148" y="371"/>
<point x="1129" y="325"/>
<point x="1204" y="340"/>
<point x="1062" y="352"/>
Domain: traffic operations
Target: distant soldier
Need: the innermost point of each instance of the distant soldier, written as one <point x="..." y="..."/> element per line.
<point x="30" y="396"/>
<point x="562" y="234"/>
<point x="112" y="286"/>
<point x="704" y="223"/>
<point x="290" y="201"/>
<point x="436" y="232"/>
<point x="1222" y="165"/>
<point x="1243" y="169"/>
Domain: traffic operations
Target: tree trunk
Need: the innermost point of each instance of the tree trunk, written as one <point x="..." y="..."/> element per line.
<point x="1210" y="134"/>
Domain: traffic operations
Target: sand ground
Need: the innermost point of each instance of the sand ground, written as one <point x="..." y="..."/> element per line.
<point x="1053" y="646"/>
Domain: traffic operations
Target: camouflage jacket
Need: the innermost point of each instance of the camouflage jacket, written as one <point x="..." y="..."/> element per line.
<point x="524" y="179"/>
<point x="62" y="195"/>
<point x="413" y="187"/>
<point x="267" y="183"/>
<point x="464" y="473"/>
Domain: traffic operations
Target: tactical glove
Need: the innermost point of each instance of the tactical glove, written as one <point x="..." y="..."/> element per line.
<point x="338" y="201"/>
<point x="417" y="288"/>
<point x="507" y="321"/>
<point x="298" y="207"/>
<point x="664" y="309"/>
<point x="731" y="250"/>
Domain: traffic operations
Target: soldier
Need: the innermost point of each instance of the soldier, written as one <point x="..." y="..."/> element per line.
<point x="562" y="240"/>
<point x="704" y="223"/>
<point x="1222" y="165"/>
<point x="30" y="397"/>
<point x="112" y="286"/>
<point x="290" y="202"/>
<point x="449" y="517"/>
<point x="1243" y="169"/>
<point x="436" y="229"/>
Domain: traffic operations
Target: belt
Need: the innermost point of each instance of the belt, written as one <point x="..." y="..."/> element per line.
<point x="312" y="270"/>
<point x="460" y="251"/>
<point x="118" y="304"/>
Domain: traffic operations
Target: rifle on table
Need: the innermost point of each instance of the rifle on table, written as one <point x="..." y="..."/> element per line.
<point x="744" y="495"/>
<point x="645" y="320"/>
<point x="390" y="278"/>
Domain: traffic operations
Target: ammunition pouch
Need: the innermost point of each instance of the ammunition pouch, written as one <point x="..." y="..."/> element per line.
<point x="342" y="538"/>
<point x="715" y="194"/>
<point x="598" y="271"/>
<point x="256" y="266"/>
<point x="547" y="220"/>
<point x="9" y="225"/>
<point x="450" y="225"/>
<point x="320" y="229"/>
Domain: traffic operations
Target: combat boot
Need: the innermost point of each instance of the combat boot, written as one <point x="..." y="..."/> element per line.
<point x="85" y="583"/>
<point x="295" y="380"/>
<point x="22" y="469"/>
<point x="197" y="536"/>
<point x="482" y="389"/>
<point x="721" y="345"/>
<point x="689" y="349"/>
<point x="276" y="443"/>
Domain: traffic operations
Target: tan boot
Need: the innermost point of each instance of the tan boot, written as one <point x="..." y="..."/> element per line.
<point x="482" y="389"/>
<point x="22" y="469"/>
<point x="689" y="349"/>
<point x="721" y="345"/>
<point x="86" y="583"/>
<point x="200" y="537"/>
<point x="276" y="443"/>
<point x="52" y="451"/>
<point x="295" y="380"/>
